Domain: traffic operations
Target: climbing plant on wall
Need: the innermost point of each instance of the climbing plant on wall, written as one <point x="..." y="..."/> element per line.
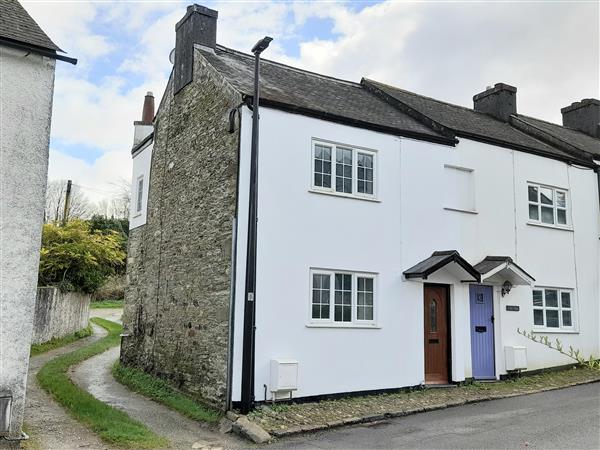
<point x="575" y="354"/>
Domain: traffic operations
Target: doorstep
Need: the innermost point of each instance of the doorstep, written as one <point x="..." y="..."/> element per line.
<point x="286" y="419"/>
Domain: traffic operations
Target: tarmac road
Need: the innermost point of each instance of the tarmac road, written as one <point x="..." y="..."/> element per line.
<point x="562" y="419"/>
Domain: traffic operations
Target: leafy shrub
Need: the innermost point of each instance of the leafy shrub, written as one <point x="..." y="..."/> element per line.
<point x="106" y="225"/>
<point x="112" y="289"/>
<point x="75" y="258"/>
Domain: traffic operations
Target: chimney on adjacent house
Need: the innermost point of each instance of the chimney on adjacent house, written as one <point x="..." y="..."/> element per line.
<point x="142" y="128"/>
<point x="499" y="101"/>
<point x="198" y="26"/>
<point x="583" y="116"/>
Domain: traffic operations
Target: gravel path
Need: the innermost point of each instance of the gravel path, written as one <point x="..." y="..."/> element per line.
<point x="50" y="426"/>
<point x="94" y="375"/>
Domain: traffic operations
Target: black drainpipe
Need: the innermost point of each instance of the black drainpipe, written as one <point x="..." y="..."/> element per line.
<point x="250" y="300"/>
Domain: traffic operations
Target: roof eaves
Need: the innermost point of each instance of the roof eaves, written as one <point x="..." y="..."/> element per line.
<point x="140" y="145"/>
<point x="417" y="115"/>
<point x="36" y="49"/>
<point x="353" y="122"/>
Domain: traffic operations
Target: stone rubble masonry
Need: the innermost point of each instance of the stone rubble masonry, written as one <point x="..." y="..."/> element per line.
<point x="58" y="314"/>
<point x="176" y="313"/>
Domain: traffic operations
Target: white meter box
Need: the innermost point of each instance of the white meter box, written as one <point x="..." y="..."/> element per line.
<point x="516" y="357"/>
<point x="284" y="375"/>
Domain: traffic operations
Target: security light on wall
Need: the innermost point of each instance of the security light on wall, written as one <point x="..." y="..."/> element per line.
<point x="506" y="287"/>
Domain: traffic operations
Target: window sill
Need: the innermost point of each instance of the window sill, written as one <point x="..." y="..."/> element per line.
<point x="136" y="215"/>
<point x="338" y="194"/>
<point x="553" y="227"/>
<point x="554" y="331"/>
<point x="467" y="211"/>
<point x="373" y="326"/>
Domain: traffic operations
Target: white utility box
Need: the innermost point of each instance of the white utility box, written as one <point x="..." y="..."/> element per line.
<point x="284" y="375"/>
<point x="516" y="357"/>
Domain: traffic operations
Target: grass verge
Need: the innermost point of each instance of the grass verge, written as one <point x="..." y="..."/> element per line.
<point x="107" y="304"/>
<point x="112" y="425"/>
<point x="37" y="349"/>
<point x="160" y="391"/>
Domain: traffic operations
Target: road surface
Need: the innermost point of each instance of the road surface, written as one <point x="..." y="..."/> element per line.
<point x="562" y="419"/>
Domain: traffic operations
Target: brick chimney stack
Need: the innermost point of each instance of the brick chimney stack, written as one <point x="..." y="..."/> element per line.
<point x="148" y="110"/>
<point x="143" y="128"/>
<point x="583" y="116"/>
<point x="499" y="101"/>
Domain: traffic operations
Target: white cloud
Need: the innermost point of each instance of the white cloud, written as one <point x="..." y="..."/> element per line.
<point x="445" y="50"/>
<point x="69" y="25"/>
<point x="452" y="51"/>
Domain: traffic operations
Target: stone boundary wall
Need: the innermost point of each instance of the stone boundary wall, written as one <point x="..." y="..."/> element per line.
<point x="58" y="314"/>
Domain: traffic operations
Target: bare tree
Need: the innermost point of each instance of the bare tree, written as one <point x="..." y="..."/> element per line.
<point x="79" y="206"/>
<point x="121" y="200"/>
<point x="117" y="205"/>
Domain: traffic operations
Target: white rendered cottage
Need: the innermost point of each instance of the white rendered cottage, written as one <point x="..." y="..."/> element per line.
<point x="27" y="63"/>
<point x="401" y="240"/>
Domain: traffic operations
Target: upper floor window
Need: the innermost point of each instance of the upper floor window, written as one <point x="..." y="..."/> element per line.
<point x="342" y="297"/>
<point x="553" y="308"/>
<point x="547" y="205"/>
<point x="343" y="170"/>
<point x="139" y="194"/>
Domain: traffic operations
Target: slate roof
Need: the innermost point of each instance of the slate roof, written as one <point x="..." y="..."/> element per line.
<point x="310" y="93"/>
<point x="469" y="123"/>
<point x="491" y="262"/>
<point x="576" y="138"/>
<point x="17" y="25"/>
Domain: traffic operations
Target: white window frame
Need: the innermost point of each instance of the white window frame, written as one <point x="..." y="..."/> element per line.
<point x="139" y="195"/>
<point x="554" y="206"/>
<point x="355" y="151"/>
<point x="354" y="322"/>
<point x="573" y="309"/>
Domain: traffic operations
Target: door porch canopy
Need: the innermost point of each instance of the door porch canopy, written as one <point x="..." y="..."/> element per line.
<point x="449" y="259"/>
<point x="499" y="269"/>
<point x="492" y="269"/>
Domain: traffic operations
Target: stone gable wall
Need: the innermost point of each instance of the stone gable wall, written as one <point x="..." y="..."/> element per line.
<point x="179" y="263"/>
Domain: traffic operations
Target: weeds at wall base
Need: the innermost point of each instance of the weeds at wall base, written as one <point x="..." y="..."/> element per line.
<point x="161" y="392"/>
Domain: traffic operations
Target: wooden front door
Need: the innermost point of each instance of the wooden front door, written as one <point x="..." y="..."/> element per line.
<point x="437" y="336"/>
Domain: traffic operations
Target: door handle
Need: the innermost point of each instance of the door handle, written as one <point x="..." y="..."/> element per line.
<point x="492" y="319"/>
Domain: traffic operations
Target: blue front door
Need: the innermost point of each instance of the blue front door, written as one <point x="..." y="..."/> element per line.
<point x="482" y="332"/>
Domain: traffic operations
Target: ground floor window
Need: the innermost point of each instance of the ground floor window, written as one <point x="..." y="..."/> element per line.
<point x="553" y="308"/>
<point x="342" y="297"/>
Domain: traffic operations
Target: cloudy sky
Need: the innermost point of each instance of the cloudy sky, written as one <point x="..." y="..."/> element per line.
<point x="447" y="50"/>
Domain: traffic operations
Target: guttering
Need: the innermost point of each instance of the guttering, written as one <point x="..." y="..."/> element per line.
<point x="142" y="143"/>
<point x="250" y="303"/>
<point x="34" y="49"/>
<point x="234" y="242"/>
<point x="295" y="109"/>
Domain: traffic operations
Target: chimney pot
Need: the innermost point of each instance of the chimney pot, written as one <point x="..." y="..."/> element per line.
<point x="148" y="109"/>
<point x="583" y="116"/>
<point x="142" y="128"/>
<point x="499" y="101"/>
<point x="198" y="26"/>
